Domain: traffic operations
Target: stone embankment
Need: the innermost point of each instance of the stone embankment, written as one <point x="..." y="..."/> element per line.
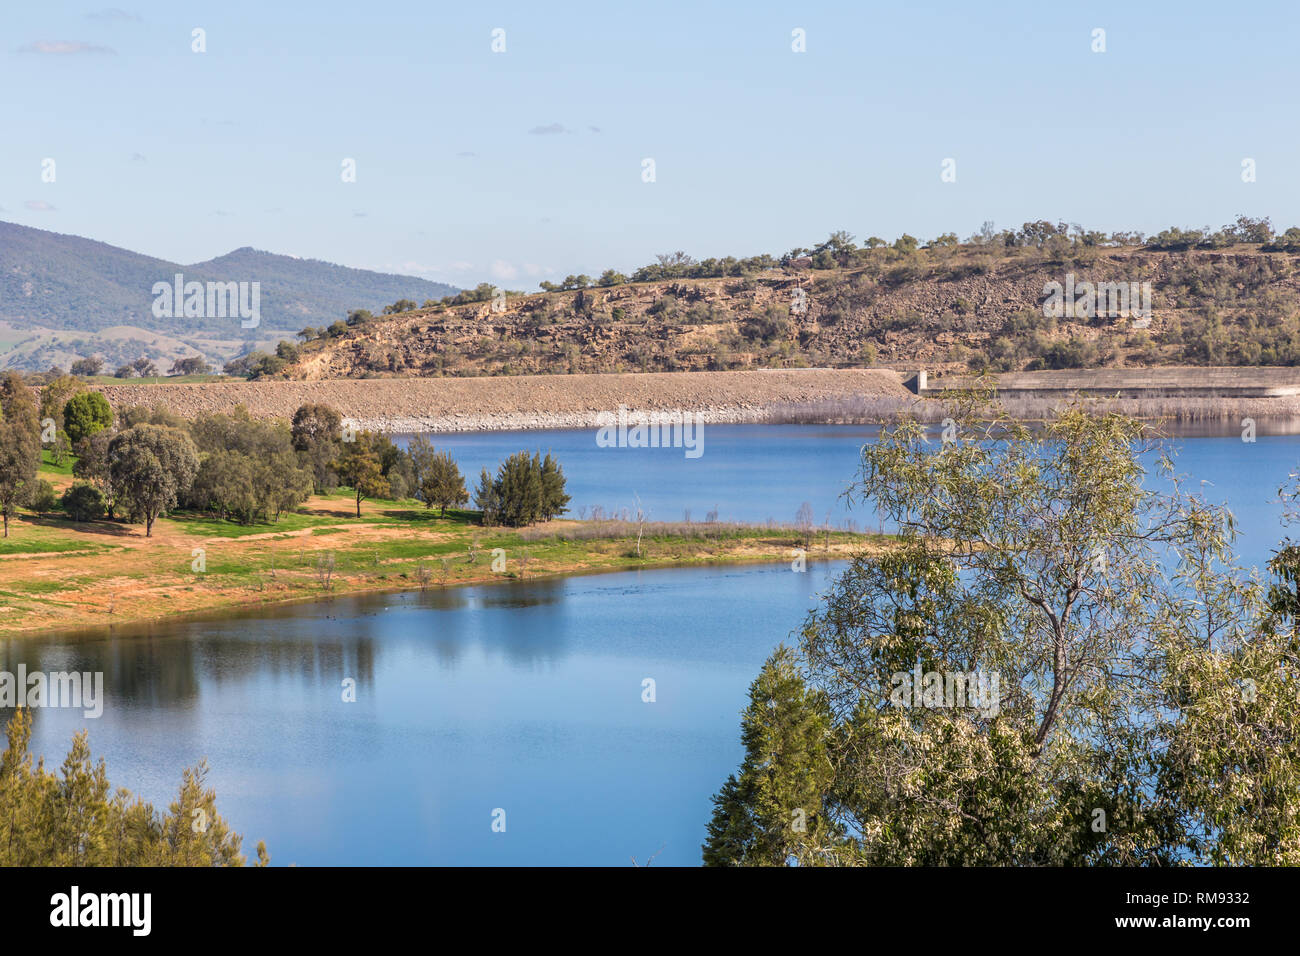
<point x="533" y="401"/>
<point x="518" y="403"/>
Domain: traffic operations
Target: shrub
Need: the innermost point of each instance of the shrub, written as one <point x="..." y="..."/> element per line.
<point x="43" y="499"/>
<point x="83" y="502"/>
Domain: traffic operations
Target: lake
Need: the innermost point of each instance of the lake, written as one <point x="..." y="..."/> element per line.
<point x="757" y="473"/>
<point x="525" y="697"/>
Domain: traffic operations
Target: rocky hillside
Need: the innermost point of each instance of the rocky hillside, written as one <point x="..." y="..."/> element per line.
<point x="952" y="309"/>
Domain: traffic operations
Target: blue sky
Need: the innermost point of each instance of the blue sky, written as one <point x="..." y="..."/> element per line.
<point x="513" y="167"/>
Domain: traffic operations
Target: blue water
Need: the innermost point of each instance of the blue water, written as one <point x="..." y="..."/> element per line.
<point x="524" y="697"/>
<point x="755" y="473"/>
<point x="746" y="472"/>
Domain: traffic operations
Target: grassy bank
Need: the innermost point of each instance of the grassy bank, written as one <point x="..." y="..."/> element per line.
<point x="57" y="574"/>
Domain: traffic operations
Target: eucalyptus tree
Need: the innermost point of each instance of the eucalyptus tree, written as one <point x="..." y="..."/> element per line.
<point x="1057" y="662"/>
<point x="20" y="446"/>
<point x="317" y="431"/>
<point x="360" y="468"/>
<point x="152" y="467"/>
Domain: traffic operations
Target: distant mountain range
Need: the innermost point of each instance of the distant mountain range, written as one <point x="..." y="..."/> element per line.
<point x="61" y="296"/>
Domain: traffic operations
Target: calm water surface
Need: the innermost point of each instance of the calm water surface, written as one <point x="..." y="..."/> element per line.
<point x="525" y="697"/>
<point x="759" y="472"/>
<point x="521" y="696"/>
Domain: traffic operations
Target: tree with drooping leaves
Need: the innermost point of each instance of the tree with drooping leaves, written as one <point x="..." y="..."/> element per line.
<point x="1145" y="710"/>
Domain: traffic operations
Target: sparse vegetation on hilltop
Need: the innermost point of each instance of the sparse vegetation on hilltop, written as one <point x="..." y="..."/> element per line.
<point x="1219" y="297"/>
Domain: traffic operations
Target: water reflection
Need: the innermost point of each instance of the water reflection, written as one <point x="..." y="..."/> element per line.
<point x="524" y="695"/>
<point x="164" y="665"/>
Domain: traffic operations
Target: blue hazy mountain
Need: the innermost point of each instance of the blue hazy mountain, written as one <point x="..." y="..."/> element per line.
<point x="68" y="283"/>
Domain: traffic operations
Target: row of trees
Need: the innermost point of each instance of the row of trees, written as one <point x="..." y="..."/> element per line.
<point x="141" y="472"/>
<point x="371" y="464"/>
<point x="1146" y="708"/>
<point x="142" y="367"/>
<point x="239" y="468"/>
<point x="840" y="249"/>
<point x="233" y="466"/>
<point x="248" y="470"/>
<point x="258" y="364"/>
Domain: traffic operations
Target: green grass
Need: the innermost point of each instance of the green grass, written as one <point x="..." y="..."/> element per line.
<point x="49" y="467"/>
<point x="199" y="524"/>
<point x="396" y="544"/>
<point x="40" y="587"/>
<point x="47" y="536"/>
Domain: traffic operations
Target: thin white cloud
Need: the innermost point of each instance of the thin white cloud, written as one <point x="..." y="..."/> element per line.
<point x="38" y="205"/>
<point x="113" y="15"/>
<point x="63" y="48"/>
<point x="423" y="268"/>
<point x="501" y="269"/>
<point x="551" y="129"/>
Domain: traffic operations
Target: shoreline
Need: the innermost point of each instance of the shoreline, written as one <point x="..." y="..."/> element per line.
<point x="67" y="578"/>
<point x="91" y="631"/>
